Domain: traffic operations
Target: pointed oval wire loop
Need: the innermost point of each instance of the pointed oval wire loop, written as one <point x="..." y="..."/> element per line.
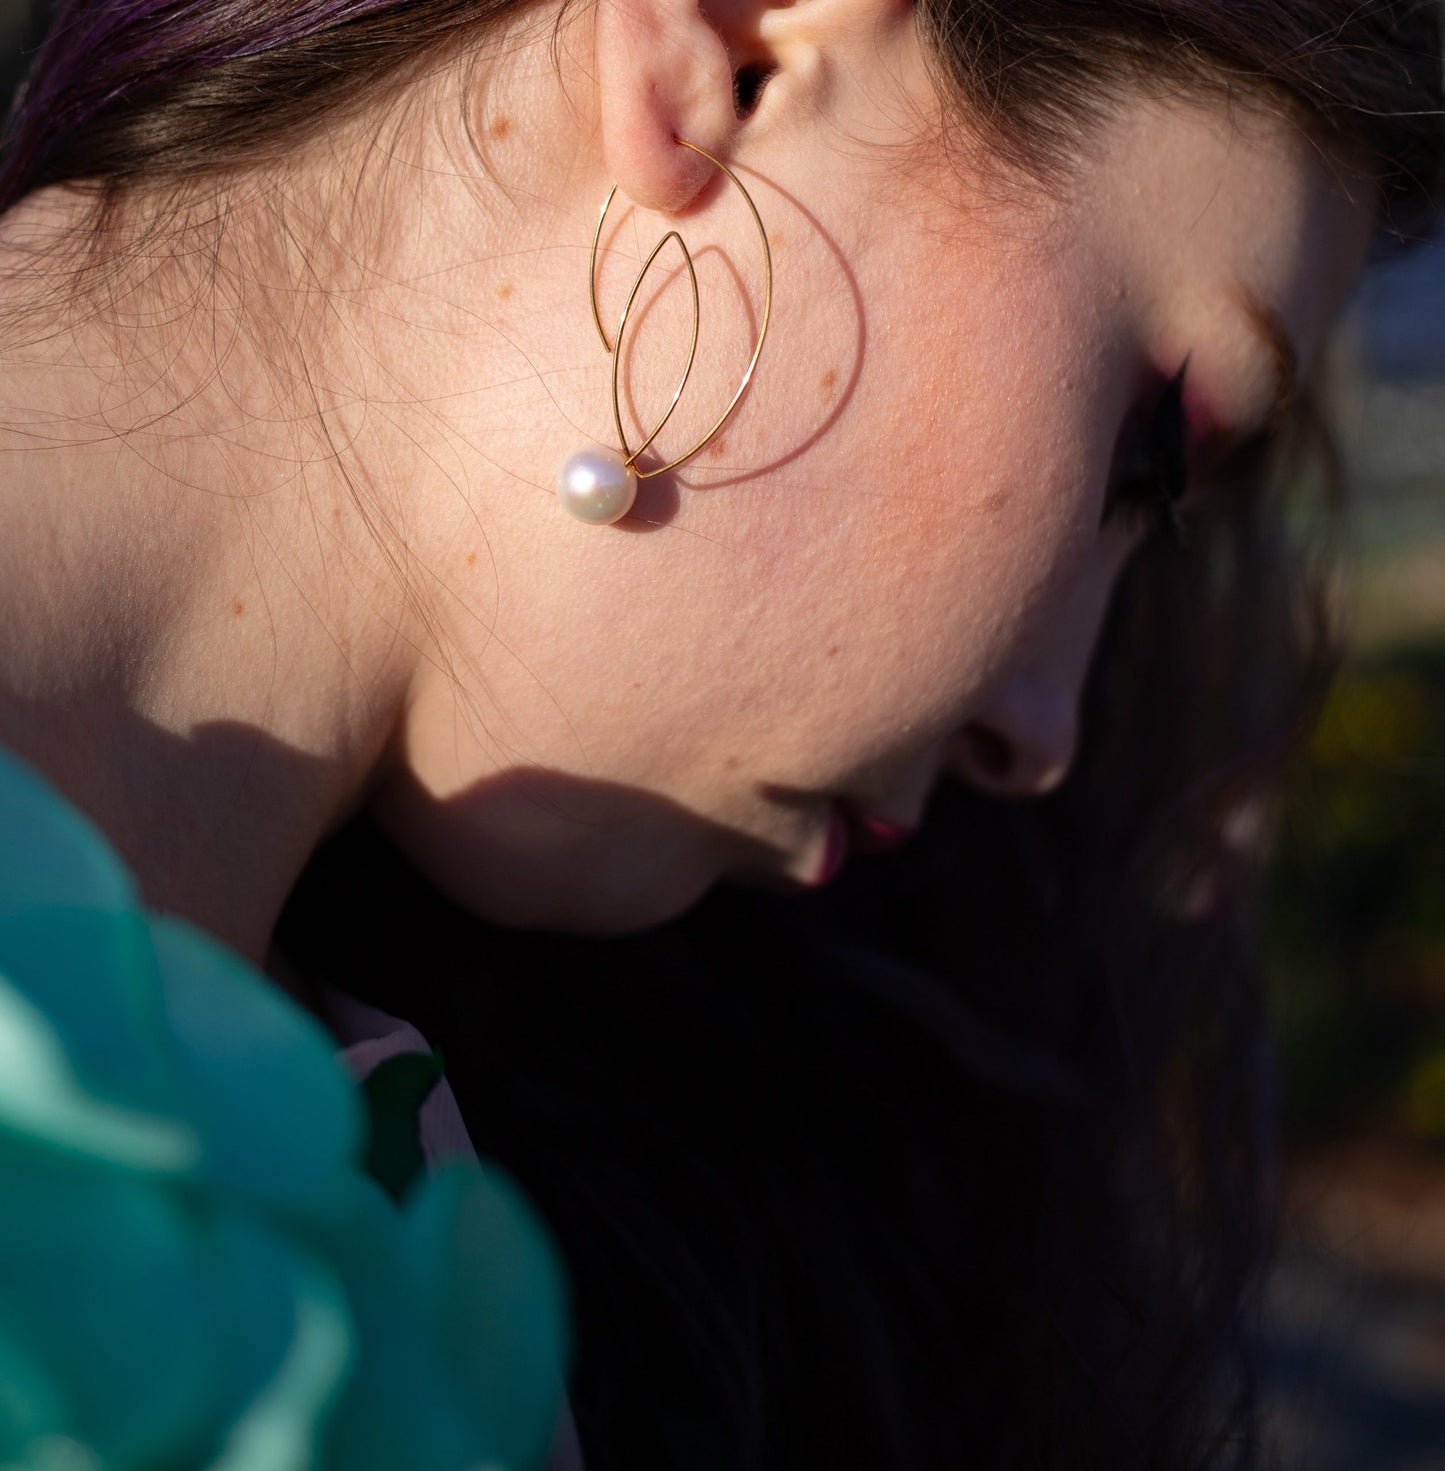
<point x="592" y="268"/>
<point x="615" y="349"/>
<point x="630" y="455"/>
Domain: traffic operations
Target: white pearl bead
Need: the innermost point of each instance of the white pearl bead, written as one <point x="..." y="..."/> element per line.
<point x="597" y="485"/>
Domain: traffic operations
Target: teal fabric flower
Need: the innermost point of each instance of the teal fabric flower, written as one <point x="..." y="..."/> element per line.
<point x="195" y="1271"/>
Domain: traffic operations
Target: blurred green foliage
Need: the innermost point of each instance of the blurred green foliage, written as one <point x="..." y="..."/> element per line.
<point x="1355" y="940"/>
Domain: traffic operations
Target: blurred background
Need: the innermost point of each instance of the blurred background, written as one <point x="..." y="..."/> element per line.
<point x="1356" y="923"/>
<point x="1356" y="932"/>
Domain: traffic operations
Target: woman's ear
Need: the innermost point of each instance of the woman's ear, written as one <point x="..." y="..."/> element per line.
<point x="665" y="70"/>
<point x="692" y="69"/>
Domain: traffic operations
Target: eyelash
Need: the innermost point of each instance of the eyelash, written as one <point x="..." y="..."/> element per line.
<point x="1153" y="474"/>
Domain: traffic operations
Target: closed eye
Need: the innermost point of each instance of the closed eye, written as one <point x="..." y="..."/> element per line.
<point x="1151" y="471"/>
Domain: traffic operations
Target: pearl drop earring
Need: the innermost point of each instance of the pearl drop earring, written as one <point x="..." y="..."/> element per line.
<point x="598" y="484"/>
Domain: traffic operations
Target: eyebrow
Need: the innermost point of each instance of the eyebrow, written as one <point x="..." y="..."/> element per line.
<point x="1268" y="326"/>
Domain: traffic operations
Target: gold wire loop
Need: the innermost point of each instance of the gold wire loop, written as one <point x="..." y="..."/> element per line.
<point x="631" y="455"/>
<point x="614" y="348"/>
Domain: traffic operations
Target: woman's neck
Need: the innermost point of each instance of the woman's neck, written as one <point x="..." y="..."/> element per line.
<point x="195" y="646"/>
<point x="248" y="471"/>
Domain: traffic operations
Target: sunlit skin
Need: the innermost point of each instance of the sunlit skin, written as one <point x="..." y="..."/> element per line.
<point x="893" y="547"/>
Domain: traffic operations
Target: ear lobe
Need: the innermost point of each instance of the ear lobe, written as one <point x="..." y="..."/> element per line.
<point x="663" y="73"/>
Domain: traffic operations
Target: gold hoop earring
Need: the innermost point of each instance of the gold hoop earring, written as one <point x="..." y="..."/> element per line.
<point x="599" y="484"/>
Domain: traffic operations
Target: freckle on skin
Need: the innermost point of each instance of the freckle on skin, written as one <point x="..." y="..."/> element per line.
<point x="717" y="447"/>
<point x="828" y="383"/>
<point x="501" y="126"/>
<point x="237" y="608"/>
<point x="471" y="559"/>
<point x="832" y="650"/>
<point x="504" y="291"/>
<point x="731" y="763"/>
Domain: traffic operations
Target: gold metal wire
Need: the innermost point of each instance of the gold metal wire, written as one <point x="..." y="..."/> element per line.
<point x="614" y="348"/>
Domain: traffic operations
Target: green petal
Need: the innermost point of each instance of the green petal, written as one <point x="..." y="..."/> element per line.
<point x="94" y="977"/>
<point x="184" y="1338"/>
<point x="33" y="1411"/>
<point x="72" y="941"/>
<point x="107" y="1286"/>
<point x="283" y="1427"/>
<point x="43" y="1102"/>
<point x="402" y="1407"/>
<point x="278" y="1114"/>
<point x="490" y="1281"/>
<point x="49" y="854"/>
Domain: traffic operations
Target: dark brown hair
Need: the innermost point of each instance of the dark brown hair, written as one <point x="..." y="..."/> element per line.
<point x="160" y="90"/>
<point x="966" y="1162"/>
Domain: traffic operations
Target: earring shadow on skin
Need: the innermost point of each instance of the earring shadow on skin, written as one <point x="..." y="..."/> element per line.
<point x="840" y="361"/>
<point x="837" y="378"/>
